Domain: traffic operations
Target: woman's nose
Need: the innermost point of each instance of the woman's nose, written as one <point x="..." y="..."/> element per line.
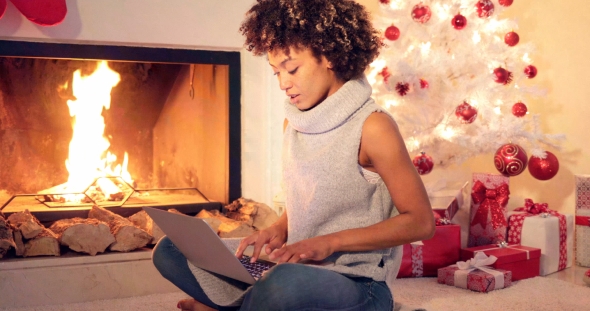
<point x="285" y="83"/>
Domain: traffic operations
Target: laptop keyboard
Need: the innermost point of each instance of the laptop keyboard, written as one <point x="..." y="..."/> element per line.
<point x="255" y="268"/>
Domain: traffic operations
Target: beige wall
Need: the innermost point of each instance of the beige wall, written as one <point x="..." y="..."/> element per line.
<point x="559" y="30"/>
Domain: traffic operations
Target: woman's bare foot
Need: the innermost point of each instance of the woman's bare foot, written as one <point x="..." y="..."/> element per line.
<point x="193" y="305"/>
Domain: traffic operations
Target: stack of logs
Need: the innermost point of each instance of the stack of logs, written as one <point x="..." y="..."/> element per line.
<point x="104" y="230"/>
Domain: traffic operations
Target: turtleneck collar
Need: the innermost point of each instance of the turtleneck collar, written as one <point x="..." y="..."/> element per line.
<point x="333" y="111"/>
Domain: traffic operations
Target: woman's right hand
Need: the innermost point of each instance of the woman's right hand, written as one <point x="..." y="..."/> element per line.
<point x="274" y="237"/>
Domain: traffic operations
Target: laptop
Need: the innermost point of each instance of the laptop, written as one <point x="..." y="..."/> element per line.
<point x="204" y="248"/>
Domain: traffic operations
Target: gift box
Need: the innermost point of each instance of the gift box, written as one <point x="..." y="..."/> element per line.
<point x="535" y="225"/>
<point x="489" y="196"/>
<point x="475" y="274"/>
<point x="582" y="220"/>
<point x="582" y="192"/>
<point x="522" y="261"/>
<point x="582" y="237"/>
<point x="424" y="259"/>
<point x="447" y="202"/>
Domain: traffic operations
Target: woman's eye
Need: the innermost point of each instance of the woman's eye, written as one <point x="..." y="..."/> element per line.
<point x="293" y="71"/>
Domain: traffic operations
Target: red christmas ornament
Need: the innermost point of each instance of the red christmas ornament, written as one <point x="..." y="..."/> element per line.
<point x="466" y="113"/>
<point x="530" y="71"/>
<point x="505" y="3"/>
<point x="423" y="163"/>
<point x="384" y="1"/>
<point x="402" y="88"/>
<point x="519" y="109"/>
<point x="511" y="38"/>
<point x="485" y="8"/>
<point x="392" y="33"/>
<point x="544" y="169"/>
<point x="502" y="75"/>
<point x="421" y="13"/>
<point x="385" y="73"/>
<point x="424" y="84"/>
<point x="459" y="22"/>
<point x="510" y="160"/>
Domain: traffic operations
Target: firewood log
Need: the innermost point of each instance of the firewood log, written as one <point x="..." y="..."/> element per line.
<point x="145" y="222"/>
<point x="26" y="223"/>
<point x="224" y="226"/>
<point x="258" y="215"/>
<point x="128" y="237"/>
<point x="6" y="237"/>
<point x="44" y="244"/>
<point x="89" y="235"/>
<point x="20" y="244"/>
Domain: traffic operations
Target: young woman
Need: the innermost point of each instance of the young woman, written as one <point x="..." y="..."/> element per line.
<point x="352" y="193"/>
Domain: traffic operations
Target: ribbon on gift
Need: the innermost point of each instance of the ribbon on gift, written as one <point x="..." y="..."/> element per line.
<point x="417" y="259"/>
<point x="491" y="201"/>
<point x="583" y="220"/>
<point x="480" y="261"/>
<point x="538" y="209"/>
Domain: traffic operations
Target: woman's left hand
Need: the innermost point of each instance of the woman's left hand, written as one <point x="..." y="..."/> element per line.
<point x="314" y="249"/>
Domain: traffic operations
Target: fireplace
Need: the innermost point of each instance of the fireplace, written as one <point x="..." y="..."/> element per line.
<point x="170" y="123"/>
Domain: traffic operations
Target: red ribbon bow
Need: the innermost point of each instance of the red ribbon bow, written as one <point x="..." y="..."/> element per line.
<point x="492" y="200"/>
<point x="534" y="208"/>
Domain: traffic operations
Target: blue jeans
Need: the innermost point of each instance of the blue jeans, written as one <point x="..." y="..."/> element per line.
<point x="285" y="287"/>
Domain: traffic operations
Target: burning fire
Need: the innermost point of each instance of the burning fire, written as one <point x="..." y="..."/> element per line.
<point x="89" y="157"/>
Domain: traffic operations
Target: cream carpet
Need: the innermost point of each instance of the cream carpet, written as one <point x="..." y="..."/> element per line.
<point x="537" y="294"/>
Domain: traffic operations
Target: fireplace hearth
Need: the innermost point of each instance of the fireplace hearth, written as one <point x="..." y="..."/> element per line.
<point x="174" y="119"/>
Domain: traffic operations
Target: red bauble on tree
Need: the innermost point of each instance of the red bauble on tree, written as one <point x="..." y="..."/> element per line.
<point x="424" y="84"/>
<point x="504" y="2"/>
<point x="510" y="160"/>
<point x="511" y="38"/>
<point x="423" y="163"/>
<point x="459" y="22"/>
<point x="421" y="13"/>
<point x="530" y="71"/>
<point x="384" y="1"/>
<point x="402" y="88"/>
<point x="385" y="73"/>
<point x="485" y="8"/>
<point x="502" y="75"/>
<point x="466" y="113"/>
<point x="392" y="33"/>
<point x="519" y="109"/>
<point x="544" y="169"/>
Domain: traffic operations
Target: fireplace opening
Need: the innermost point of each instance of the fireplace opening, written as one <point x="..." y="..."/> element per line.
<point x="118" y="127"/>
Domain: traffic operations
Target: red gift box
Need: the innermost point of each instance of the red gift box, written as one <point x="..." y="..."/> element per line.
<point x="489" y="196"/>
<point x="523" y="261"/>
<point x="476" y="280"/>
<point x="441" y="250"/>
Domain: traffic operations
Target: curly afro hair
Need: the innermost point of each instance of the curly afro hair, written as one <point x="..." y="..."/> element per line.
<point x="340" y="30"/>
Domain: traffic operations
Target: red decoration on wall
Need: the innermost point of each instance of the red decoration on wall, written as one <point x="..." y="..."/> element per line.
<point x="41" y="12"/>
<point x="2" y="7"/>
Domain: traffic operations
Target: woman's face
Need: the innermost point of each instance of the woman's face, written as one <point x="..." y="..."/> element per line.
<point x="305" y="79"/>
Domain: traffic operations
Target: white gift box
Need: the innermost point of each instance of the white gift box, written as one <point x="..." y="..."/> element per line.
<point x="543" y="232"/>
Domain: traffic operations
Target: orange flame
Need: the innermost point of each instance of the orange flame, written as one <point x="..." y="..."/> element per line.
<point x="89" y="157"/>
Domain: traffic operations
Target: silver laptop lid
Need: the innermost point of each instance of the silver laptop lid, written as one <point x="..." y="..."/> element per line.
<point x="200" y="244"/>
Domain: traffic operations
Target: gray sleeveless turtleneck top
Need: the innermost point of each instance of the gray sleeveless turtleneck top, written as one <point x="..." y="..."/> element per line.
<point x="325" y="191"/>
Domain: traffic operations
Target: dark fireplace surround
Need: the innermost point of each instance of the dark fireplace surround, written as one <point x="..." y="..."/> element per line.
<point x="194" y="152"/>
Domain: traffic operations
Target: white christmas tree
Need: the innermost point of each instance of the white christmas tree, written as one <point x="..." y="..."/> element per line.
<point x="457" y="80"/>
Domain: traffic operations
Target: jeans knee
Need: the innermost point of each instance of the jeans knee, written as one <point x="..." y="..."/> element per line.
<point x="161" y="254"/>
